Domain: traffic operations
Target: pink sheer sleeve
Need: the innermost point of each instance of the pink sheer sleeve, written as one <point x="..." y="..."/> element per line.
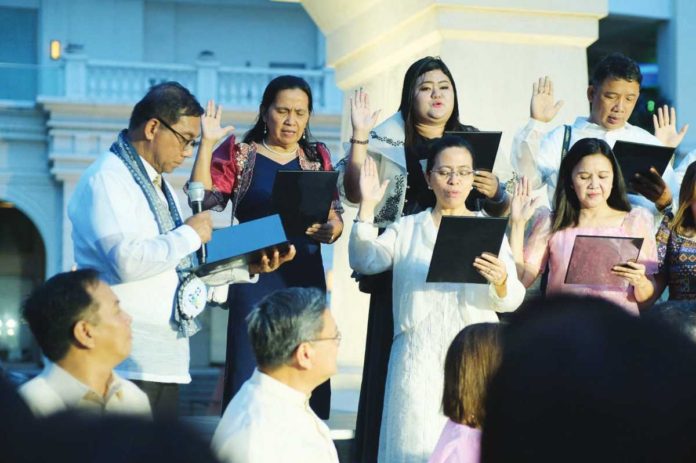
<point x="536" y="246"/>
<point x="640" y="223"/>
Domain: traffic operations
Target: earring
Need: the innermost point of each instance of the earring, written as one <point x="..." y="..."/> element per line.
<point x="265" y="129"/>
<point x="304" y="135"/>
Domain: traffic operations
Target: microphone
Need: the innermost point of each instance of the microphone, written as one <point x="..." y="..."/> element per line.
<point x="196" y="192"/>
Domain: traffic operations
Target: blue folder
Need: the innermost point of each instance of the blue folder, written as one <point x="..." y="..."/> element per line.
<point x="244" y="242"/>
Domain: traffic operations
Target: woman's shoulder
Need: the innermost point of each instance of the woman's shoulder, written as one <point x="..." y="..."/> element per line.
<point x="232" y="161"/>
<point x="638" y="221"/>
<point x="315" y="156"/>
<point x="316" y="144"/>
<point x="390" y="132"/>
<point x="458" y="442"/>
<point x="230" y="149"/>
<point x="411" y="220"/>
<point x="320" y="148"/>
<point x="639" y="215"/>
<point x="421" y="217"/>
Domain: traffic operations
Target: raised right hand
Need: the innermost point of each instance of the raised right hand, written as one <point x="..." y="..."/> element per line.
<point x="523" y="205"/>
<point x="211" y="127"/>
<point x="665" y="123"/>
<point x="361" y="116"/>
<point x="542" y="107"/>
<point x="371" y="191"/>
<point x="202" y="224"/>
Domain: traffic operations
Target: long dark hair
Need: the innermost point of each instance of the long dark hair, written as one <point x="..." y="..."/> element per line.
<point x="440" y="144"/>
<point x="417" y="69"/>
<point x="684" y="221"/>
<point x="472" y="360"/>
<point x="275" y="86"/>
<point x="566" y="202"/>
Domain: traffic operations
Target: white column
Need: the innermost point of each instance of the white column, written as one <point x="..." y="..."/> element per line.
<point x="207" y="87"/>
<point x="75" y="76"/>
<point x="68" y="254"/>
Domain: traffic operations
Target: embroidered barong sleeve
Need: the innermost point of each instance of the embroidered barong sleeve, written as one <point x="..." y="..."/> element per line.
<point x="515" y="288"/>
<point x="389" y="208"/>
<point x="526" y="145"/>
<point x="106" y="220"/>
<point x="536" y="152"/>
<point x="341" y="169"/>
<point x="368" y="253"/>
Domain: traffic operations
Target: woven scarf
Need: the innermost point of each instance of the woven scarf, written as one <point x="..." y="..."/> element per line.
<point x="168" y="218"/>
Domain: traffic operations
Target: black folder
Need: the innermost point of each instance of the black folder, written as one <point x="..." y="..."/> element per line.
<point x="637" y="158"/>
<point x="485" y="146"/>
<point x="303" y="198"/>
<point x="459" y="241"/>
<point x="244" y="243"/>
<point x="593" y="257"/>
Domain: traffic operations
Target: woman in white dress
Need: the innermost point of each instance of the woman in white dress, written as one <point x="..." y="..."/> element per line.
<point x="427" y="316"/>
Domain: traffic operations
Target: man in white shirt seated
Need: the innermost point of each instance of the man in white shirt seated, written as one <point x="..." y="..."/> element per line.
<point x="78" y="322"/>
<point x="295" y="341"/>
<point x="613" y="93"/>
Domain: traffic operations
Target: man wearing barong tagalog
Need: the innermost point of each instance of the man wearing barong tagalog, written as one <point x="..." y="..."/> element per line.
<point x="612" y="93"/>
<point x="127" y="225"/>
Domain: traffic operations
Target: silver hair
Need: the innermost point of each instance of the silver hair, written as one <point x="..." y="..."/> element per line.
<point x="282" y="321"/>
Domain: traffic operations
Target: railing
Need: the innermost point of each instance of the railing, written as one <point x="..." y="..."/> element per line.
<point x="243" y="87"/>
<point x="99" y="81"/>
<point x="114" y="82"/>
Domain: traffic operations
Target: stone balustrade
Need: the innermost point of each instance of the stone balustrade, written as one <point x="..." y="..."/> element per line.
<point x="104" y="82"/>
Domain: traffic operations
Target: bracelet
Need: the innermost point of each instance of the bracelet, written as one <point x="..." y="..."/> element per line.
<point x="357" y="220"/>
<point x="359" y="142"/>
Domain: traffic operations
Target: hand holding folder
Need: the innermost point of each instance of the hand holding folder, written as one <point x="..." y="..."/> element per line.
<point x="303" y="198"/>
<point x="260" y="244"/>
<point x="593" y="258"/>
<point x="268" y="260"/>
<point x="641" y="164"/>
<point x="465" y="248"/>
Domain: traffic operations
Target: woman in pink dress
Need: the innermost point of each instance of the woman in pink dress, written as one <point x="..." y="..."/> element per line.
<point x="472" y="359"/>
<point x="590" y="200"/>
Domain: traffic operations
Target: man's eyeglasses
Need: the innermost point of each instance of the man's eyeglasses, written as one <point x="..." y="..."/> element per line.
<point x="336" y="338"/>
<point x="186" y="143"/>
<point x="447" y="173"/>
